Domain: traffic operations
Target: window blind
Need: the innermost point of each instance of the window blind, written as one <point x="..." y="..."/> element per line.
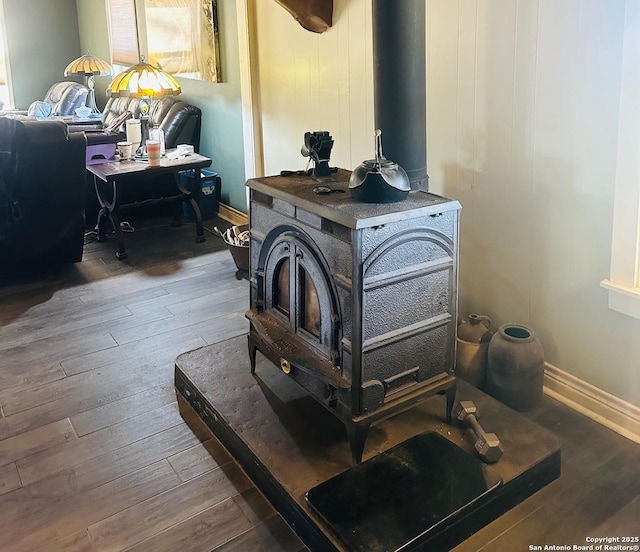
<point x="123" y="31"/>
<point x="173" y="34"/>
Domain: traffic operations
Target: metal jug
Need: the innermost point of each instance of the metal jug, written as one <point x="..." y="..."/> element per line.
<point x="472" y="345"/>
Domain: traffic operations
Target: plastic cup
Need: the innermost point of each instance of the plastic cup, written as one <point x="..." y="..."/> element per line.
<point x="125" y="149"/>
<point x="153" y="152"/>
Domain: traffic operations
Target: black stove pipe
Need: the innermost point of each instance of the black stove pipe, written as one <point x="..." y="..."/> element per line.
<point x="399" y="69"/>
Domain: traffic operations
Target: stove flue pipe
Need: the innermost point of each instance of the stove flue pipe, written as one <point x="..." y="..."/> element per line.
<point x="399" y="62"/>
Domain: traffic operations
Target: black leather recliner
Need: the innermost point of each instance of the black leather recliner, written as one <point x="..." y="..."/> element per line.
<point x="179" y="120"/>
<point x="42" y="191"/>
<point x="65" y="97"/>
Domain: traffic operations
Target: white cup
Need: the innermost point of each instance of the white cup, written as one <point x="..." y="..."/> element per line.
<point x="134" y="133"/>
<point x="125" y="149"/>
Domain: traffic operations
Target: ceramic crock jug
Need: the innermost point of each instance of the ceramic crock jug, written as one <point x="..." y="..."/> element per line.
<point x="472" y="345"/>
<point x="515" y="367"/>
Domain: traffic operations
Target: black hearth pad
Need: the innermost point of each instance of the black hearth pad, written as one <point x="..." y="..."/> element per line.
<point x="288" y="444"/>
<point x="404" y="493"/>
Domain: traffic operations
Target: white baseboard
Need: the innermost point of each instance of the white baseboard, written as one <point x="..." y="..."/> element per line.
<point x="605" y="408"/>
<point x="232" y="215"/>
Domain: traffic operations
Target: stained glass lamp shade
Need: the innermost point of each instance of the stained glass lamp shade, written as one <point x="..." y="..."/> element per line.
<point x="89" y="66"/>
<point x="144" y="81"/>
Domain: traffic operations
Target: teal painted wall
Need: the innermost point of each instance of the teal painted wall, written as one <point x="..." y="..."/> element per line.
<point x="220" y="103"/>
<point x="222" y="112"/>
<point x="94" y="39"/>
<point x="42" y="38"/>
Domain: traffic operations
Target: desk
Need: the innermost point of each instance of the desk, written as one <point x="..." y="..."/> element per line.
<point x="109" y="177"/>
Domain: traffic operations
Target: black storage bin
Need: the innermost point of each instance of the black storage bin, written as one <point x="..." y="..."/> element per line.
<point x="209" y="198"/>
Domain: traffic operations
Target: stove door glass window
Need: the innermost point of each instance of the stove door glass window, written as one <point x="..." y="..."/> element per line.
<point x="309" y="305"/>
<point x="282" y="295"/>
<point x="299" y="293"/>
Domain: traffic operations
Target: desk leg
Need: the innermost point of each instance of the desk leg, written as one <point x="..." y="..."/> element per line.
<point x="188" y="195"/>
<point x="108" y="210"/>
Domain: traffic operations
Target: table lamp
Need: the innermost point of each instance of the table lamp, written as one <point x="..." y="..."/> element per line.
<point x="89" y="66"/>
<point x="146" y="82"/>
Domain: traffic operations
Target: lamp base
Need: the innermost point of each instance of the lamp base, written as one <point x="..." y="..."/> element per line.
<point x="91" y="96"/>
<point x="144" y="132"/>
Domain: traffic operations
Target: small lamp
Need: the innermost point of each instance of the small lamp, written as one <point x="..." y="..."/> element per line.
<point x="146" y="82"/>
<point x="89" y="66"/>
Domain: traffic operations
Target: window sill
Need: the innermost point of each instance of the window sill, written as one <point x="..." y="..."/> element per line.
<point x="623" y="298"/>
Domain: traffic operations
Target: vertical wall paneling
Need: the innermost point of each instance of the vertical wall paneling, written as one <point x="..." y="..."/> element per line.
<point x="315" y="82"/>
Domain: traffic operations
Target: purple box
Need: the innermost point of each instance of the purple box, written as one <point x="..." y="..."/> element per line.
<point x="99" y="153"/>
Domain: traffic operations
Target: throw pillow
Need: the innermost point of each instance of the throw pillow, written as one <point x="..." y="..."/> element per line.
<point x="39" y="110"/>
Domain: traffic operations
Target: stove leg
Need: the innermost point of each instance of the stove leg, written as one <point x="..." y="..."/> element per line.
<point x="252" y="355"/>
<point x="357" y="433"/>
<point x="451" y="397"/>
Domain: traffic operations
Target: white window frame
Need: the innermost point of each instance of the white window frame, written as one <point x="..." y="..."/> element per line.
<point x="624" y="283"/>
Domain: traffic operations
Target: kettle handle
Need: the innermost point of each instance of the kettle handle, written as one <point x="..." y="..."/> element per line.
<point x="480" y="318"/>
<point x="378" y="146"/>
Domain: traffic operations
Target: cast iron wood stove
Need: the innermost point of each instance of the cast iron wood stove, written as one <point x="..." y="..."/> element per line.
<point x="354" y="301"/>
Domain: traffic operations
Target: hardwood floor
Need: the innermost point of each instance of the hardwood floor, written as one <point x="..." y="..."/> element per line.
<point x="95" y="450"/>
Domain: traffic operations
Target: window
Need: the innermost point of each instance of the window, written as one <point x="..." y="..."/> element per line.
<point x="173" y="35"/>
<point x="624" y="283"/>
<point x="5" y="91"/>
<point x="179" y="36"/>
<point x="123" y="31"/>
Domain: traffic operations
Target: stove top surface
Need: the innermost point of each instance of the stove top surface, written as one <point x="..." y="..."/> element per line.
<point x="340" y="206"/>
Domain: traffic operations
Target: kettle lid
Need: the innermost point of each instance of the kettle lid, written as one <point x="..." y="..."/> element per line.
<point x="391" y="173"/>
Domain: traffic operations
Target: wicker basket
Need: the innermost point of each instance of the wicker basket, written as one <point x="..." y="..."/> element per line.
<point x="240" y="253"/>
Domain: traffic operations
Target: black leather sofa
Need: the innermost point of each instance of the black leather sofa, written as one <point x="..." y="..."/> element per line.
<point x="42" y="192"/>
<point x="179" y="120"/>
<point x="63" y="98"/>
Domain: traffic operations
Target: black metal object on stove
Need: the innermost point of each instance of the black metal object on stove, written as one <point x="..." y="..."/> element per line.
<point x="317" y="146"/>
<point x="355" y="301"/>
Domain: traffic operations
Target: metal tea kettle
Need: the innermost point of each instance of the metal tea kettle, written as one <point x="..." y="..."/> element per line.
<point x="379" y="180"/>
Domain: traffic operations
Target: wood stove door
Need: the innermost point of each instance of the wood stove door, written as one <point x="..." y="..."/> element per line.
<point x="297" y="289"/>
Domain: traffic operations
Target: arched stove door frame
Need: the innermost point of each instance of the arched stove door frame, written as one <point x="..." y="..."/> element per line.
<point x="305" y="260"/>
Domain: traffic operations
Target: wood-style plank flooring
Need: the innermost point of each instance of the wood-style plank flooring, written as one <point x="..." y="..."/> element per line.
<point x="98" y="454"/>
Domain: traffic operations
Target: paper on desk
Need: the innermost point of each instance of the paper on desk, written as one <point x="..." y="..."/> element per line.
<point x="177" y="154"/>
